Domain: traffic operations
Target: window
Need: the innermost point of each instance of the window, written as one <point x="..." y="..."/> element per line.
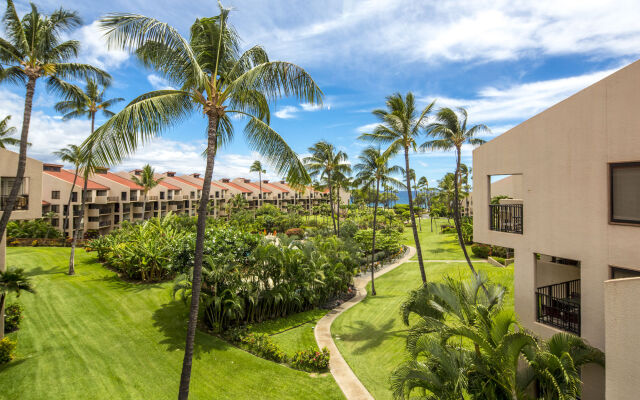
<point x="620" y="273"/>
<point x="74" y="196"/>
<point x="55" y="194"/>
<point x="101" y="193"/>
<point x="123" y="196"/>
<point x="55" y="208"/>
<point x="54" y="221"/>
<point x="625" y="192"/>
<point x="161" y="195"/>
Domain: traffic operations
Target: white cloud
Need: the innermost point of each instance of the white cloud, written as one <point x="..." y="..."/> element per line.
<point x="158" y="82"/>
<point x="286" y="112"/>
<point x="366" y="128"/>
<point x="94" y="49"/>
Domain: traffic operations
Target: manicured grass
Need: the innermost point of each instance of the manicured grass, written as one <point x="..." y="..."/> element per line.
<point x="292" y="333"/>
<point x="95" y="336"/>
<point x="435" y="245"/>
<point x="371" y="335"/>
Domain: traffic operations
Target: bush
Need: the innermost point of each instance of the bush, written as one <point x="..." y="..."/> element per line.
<point x="480" y="250"/>
<point x="499" y="259"/>
<point x="13" y="316"/>
<point x="348" y="229"/>
<point x="498" y="251"/>
<point x="447" y="229"/>
<point x="34" y="243"/>
<point x="38" y="228"/>
<point x="311" y="360"/>
<point x="261" y="345"/>
<point x="7" y="347"/>
<point x="295" y="232"/>
<point x="387" y="242"/>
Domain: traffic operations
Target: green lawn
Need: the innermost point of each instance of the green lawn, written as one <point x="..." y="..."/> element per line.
<point x="292" y="333"/>
<point x="95" y="336"/>
<point x="436" y="246"/>
<point x="371" y="335"/>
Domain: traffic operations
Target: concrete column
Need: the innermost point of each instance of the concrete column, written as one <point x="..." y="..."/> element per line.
<point x="3" y="267"/>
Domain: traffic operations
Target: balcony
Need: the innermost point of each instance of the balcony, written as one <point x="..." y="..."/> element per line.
<point x="113" y="199"/>
<point x="105" y="223"/>
<point x="153" y="198"/>
<point x="558" y="305"/>
<point x="22" y="202"/>
<point x="506" y="218"/>
<point x="93" y="212"/>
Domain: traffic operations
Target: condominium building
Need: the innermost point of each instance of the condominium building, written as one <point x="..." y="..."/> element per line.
<point x="574" y="222"/>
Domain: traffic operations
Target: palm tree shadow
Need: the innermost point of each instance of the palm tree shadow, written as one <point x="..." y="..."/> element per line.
<point x="41" y="271"/>
<point x="171" y="320"/>
<point x="115" y="282"/>
<point x="370" y="335"/>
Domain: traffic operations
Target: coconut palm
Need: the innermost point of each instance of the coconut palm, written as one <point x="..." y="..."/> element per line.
<point x="343" y="181"/>
<point x="6" y="133"/>
<point x="374" y="167"/>
<point x="148" y="181"/>
<point x="84" y="104"/>
<point x="450" y="132"/>
<point x="400" y="127"/>
<point x="257" y="167"/>
<point x="31" y="49"/>
<point x="325" y="162"/>
<point x="423" y="185"/>
<point x="211" y="77"/>
<point x="464" y="185"/>
<point x="12" y="281"/>
<point x="70" y="155"/>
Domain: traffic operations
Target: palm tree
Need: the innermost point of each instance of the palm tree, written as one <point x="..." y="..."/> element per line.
<point x="6" y="132"/>
<point x="214" y="78"/>
<point x="326" y="162"/>
<point x="343" y="181"/>
<point x="83" y="104"/>
<point x="257" y="167"/>
<point x="71" y="155"/>
<point x="464" y="185"/>
<point x="423" y="185"/>
<point x="450" y="132"/>
<point x="400" y="126"/>
<point x="12" y="280"/>
<point x="374" y="167"/>
<point x="30" y="50"/>
<point x="148" y="181"/>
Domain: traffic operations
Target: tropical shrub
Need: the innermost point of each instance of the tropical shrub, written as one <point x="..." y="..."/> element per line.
<point x="447" y="229"/>
<point x="499" y="259"/>
<point x="261" y="345"/>
<point x="311" y="360"/>
<point x="480" y="250"/>
<point x="12" y="318"/>
<point x="7" y="347"/>
<point x="499" y="251"/>
<point x="389" y="243"/>
<point x="348" y="229"/>
<point x="295" y="232"/>
<point x="34" y="243"/>
<point x="37" y="228"/>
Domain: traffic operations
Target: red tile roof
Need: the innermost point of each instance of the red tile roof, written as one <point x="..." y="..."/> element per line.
<point x="123" y="181"/>
<point x="236" y="186"/>
<point x="68" y="177"/>
<point x="45" y="203"/>
<point x="273" y="185"/>
<point x="257" y="186"/>
<point x="212" y="183"/>
<point x="168" y="185"/>
<point x="185" y="181"/>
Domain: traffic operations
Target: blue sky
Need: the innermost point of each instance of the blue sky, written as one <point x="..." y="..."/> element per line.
<point x="504" y="61"/>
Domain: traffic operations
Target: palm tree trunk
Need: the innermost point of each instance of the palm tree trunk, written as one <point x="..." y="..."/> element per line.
<point x="79" y="227"/>
<point x="416" y="239"/>
<point x="22" y="157"/>
<point x="261" y="194"/>
<point x="66" y="218"/>
<point x="419" y="216"/>
<point x="333" y="218"/>
<point x="456" y="216"/>
<point x="2" y="297"/>
<point x="373" y="242"/>
<point x="196" y="285"/>
<point x="338" y="207"/>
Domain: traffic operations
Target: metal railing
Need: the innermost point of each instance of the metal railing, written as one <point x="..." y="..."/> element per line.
<point x="506" y="218"/>
<point x="22" y="202"/>
<point x="113" y="198"/>
<point x="558" y="305"/>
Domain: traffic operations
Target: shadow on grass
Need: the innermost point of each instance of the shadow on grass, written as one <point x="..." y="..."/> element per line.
<point x="115" y="282"/>
<point x="41" y="271"/>
<point x="171" y="320"/>
<point x="369" y="334"/>
<point x="11" y="364"/>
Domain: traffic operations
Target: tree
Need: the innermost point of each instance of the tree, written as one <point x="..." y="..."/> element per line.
<point x="464" y="185"/>
<point x="6" y="133"/>
<point x="213" y="78"/>
<point x="374" y="167"/>
<point x="343" y="181"/>
<point x="70" y="155"/>
<point x="399" y="127"/>
<point x="450" y="132"/>
<point x="148" y="181"/>
<point x="257" y="167"/>
<point x="423" y="185"/>
<point x="325" y="162"/>
<point x="30" y="50"/>
<point x="83" y="104"/>
<point x="12" y="281"/>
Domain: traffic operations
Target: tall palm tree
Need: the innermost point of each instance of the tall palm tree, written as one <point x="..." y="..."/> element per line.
<point x="341" y="181"/>
<point x="6" y="133"/>
<point x="400" y="126"/>
<point x="70" y="155"/>
<point x="31" y="49"/>
<point x="464" y="185"/>
<point x="213" y="78"/>
<point x="257" y="167"/>
<point x="148" y="181"/>
<point x="450" y="133"/>
<point x="423" y="185"/>
<point x="84" y="104"/>
<point x="374" y="167"/>
<point x="12" y="281"/>
<point x="325" y="162"/>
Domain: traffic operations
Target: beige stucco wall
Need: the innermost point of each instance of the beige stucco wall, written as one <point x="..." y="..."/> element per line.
<point x="33" y="171"/>
<point x="562" y="155"/>
<point x="508" y="186"/>
<point x="622" y="324"/>
<point x="548" y="273"/>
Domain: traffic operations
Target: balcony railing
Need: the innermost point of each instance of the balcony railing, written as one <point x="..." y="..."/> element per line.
<point x="558" y="305"/>
<point x="111" y="199"/>
<point x="22" y="202"/>
<point x="506" y="218"/>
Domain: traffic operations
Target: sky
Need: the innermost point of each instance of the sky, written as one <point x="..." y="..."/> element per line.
<point x="504" y="61"/>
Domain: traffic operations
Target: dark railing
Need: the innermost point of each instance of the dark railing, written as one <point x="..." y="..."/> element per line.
<point x="506" y="218"/>
<point x="22" y="202"/>
<point x="105" y="223"/>
<point x="558" y="305"/>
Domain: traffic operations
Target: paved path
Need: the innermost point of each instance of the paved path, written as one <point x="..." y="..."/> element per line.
<point x="351" y="386"/>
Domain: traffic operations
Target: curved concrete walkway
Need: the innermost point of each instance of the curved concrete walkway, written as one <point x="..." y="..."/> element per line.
<point x="348" y="381"/>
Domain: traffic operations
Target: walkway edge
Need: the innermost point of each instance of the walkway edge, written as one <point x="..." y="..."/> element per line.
<point x="348" y="382"/>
